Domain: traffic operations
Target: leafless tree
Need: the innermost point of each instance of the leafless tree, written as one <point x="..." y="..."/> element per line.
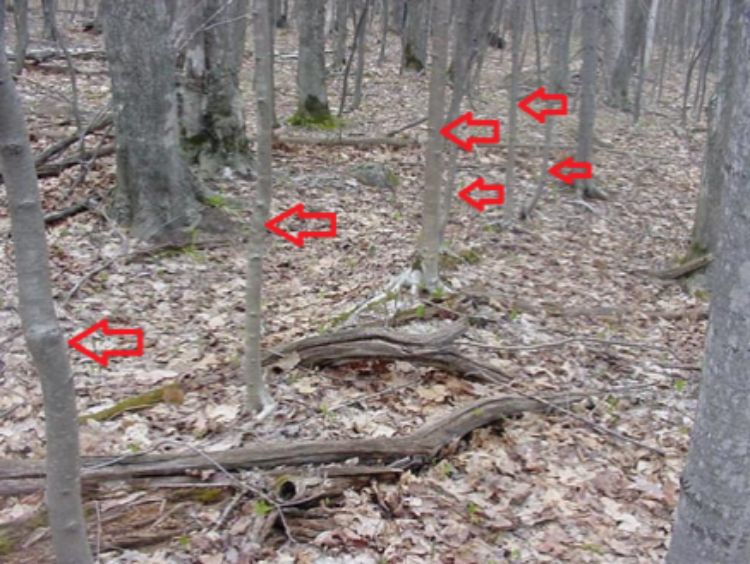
<point x="44" y="336"/>
<point x="430" y="235"/>
<point x="312" y="99"/>
<point x="258" y="399"/>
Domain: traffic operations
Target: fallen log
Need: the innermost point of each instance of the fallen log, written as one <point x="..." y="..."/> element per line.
<point x="418" y="447"/>
<point x="432" y="349"/>
<point x="41" y="55"/>
<point x="683" y="269"/>
<point x="54" y="169"/>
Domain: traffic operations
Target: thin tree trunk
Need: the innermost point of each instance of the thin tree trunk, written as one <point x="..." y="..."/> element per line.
<point x="713" y="514"/>
<point x="21" y="19"/>
<point x="49" y="9"/>
<point x="44" y="336"/>
<point x="587" y="111"/>
<point x="360" y="42"/>
<point x="646" y="56"/>
<point x="430" y="236"/>
<point x="258" y="399"/>
<point x="342" y="11"/>
<point x="383" y="33"/>
<point x="513" y="195"/>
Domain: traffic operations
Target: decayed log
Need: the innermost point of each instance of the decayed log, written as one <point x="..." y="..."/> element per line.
<point x="433" y="349"/>
<point x="40" y="55"/>
<point x="683" y="269"/>
<point x="419" y="447"/>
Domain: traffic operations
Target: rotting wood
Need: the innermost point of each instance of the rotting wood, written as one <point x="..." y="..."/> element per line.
<point x="418" y="447"/>
<point x="372" y="343"/>
<point x="681" y="270"/>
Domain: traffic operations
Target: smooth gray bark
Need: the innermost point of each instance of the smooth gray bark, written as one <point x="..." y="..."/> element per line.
<point x="562" y="27"/>
<point x="258" y="399"/>
<point x="44" y="337"/>
<point x="430" y="235"/>
<point x="212" y="115"/>
<point x="587" y="109"/>
<point x="513" y="195"/>
<point x="705" y="235"/>
<point x="472" y="19"/>
<point x="312" y="99"/>
<point x="635" y="26"/>
<point x="156" y="194"/>
<point x="360" y="41"/>
<point x="713" y="515"/>
<point x="415" y="35"/>
<point x="21" y="20"/>
<point x="342" y="10"/>
<point x="614" y="33"/>
<point x="49" y="10"/>
<point x="383" y="31"/>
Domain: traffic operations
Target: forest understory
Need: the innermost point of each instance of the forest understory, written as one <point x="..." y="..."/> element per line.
<point x="566" y="303"/>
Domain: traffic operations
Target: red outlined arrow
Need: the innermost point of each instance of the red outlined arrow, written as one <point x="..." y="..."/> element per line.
<point x="586" y="170"/>
<point x="298" y="210"/>
<point x="541" y="94"/>
<point x="481" y="203"/>
<point x="104" y="357"/>
<point x="468" y="120"/>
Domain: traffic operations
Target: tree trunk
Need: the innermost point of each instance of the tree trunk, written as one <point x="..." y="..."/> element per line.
<point x="648" y="45"/>
<point x="360" y="41"/>
<point x="212" y="115"/>
<point x="342" y="10"/>
<point x="513" y="194"/>
<point x="312" y="101"/>
<point x="49" y="9"/>
<point x="156" y="194"/>
<point x="44" y="338"/>
<point x="258" y="399"/>
<point x="614" y="34"/>
<point x="430" y="236"/>
<point x="415" y="35"/>
<point x="587" y="110"/>
<point x="562" y="22"/>
<point x="705" y="236"/>
<point x="21" y="19"/>
<point x="713" y="515"/>
<point x="635" y="22"/>
<point x="383" y="32"/>
<point x="472" y="22"/>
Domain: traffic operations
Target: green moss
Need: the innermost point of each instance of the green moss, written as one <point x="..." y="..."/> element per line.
<point x="314" y="113"/>
<point x="206" y="496"/>
<point x="6" y="545"/>
<point x="328" y="122"/>
<point x="171" y="393"/>
<point x="392" y="179"/>
<point x="696" y="250"/>
<point x="471" y="256"/>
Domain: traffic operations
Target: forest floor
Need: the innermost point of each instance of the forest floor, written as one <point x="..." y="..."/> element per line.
<point x="566" y="305"/>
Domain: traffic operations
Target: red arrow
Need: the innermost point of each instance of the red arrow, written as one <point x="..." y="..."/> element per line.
<point x="570" y="177"/>
<point x="298" y="210"/>
<point x="104" y="357"/>
<point x="468" y="120"/>
<point x="481" y="203"/>
<point x="541" y="94"/>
